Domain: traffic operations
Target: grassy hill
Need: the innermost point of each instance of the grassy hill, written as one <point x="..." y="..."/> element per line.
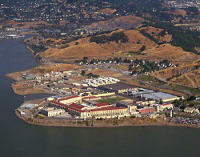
<point x="186" y="74"/>
<point x="83" y="47"/>
<point x="138" y="43"/>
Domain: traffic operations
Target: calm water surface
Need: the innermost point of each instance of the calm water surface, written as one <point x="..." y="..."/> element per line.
<point x="18" y="139"/>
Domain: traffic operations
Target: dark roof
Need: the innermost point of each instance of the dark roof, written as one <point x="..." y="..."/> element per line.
<point x="139" y="98"/>
<point x="116" y="87"/>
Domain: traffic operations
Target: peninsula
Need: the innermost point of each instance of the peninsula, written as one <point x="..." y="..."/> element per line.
<point x="110" y="65"/>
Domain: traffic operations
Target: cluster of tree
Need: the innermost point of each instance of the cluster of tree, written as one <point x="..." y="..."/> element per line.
<point x="186" y="39"/>
<point x="143" y="32"/>
<point x="89" y="75"/>
<point x="142" y="66"/>
<point x="38" y="48"/>
<point x="162" y="33"/>
<point x="173" y="76"/>
<point x="143" y="48"/>
<point x="118" y="36"/>
<point x="183" y="103"/>
<point x="177" y="103"/>
<point x="116" y="60"/>
<point x="138" y="52"/>
<point x="64" y="46"/>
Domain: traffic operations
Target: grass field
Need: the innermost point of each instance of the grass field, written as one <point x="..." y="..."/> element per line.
<point x="195" y="103"/>
<point x="192" y="90"/>
<point x="111" y="100"/>
<point x="146" y="78"/>
<point x="122" y="67"/>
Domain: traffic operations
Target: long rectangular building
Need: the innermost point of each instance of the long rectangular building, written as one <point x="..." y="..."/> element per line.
<point x="102" y="110"/>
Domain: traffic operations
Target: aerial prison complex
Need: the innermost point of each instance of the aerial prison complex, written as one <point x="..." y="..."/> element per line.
<point x="88" y="107"/>
<point x="85" y="104"/>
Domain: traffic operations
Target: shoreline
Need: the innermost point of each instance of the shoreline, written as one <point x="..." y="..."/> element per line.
<point x="30" y="49"/>
<point x="76" y="124"/>
<point x="51" y="122"/>
<point x="15" y="80"/>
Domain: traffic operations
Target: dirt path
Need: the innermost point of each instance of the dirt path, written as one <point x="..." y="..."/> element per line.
<point x="192" y="82"/>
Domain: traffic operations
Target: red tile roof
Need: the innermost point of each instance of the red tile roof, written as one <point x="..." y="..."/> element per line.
<point x="75" y="106"/>
<point x="78" y="108"/>
<point x="102" y="104"/>
<point x="72" y="106"/>
<point x="166" y="104"/>
<point x="147" y="110"/>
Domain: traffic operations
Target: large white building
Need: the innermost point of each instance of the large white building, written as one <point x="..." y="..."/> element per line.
<point x="51" y="111"/>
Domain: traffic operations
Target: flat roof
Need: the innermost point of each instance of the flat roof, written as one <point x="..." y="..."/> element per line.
<point x="67" y="98"/>
<point x="144" y="99"/>
<point x="159" y="95"/>
<point x="29" y="105"/>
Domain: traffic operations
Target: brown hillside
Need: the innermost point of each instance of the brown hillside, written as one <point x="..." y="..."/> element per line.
<point x="179" y="12"/>
<point x="185" y="74"/>
<point x="180" y="70"/>
<point x="155" y="33"/>
<point x="83" y="47"/>
<point x="105" y="73"/>
<point x="167" y="51"/>
<point x="25" y="25"/>
<point x="123" y="22"/>
<point x="44" y="69"/>
<point x="191" y="79"/>
<point x="108" y="11"/>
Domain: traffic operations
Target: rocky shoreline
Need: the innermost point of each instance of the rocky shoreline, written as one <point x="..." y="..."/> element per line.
<point x="111" y="123"/>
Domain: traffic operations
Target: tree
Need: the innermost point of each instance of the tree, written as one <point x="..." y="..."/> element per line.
<point x="138" y="42"/>
<point x="83" y="72"/>
<point x="161" y="101"/>
<point x="143" y="48"/>
<point x="85" y="59"/>
<point x="162" y="33"/>
<point x="191" y="98"/>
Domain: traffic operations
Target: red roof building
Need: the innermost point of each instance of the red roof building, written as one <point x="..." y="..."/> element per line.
<point x="147" y="110"/>
<point x="104" y="104"/>
<point x="90" y="98"/>
<point x="102" y="110"/>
